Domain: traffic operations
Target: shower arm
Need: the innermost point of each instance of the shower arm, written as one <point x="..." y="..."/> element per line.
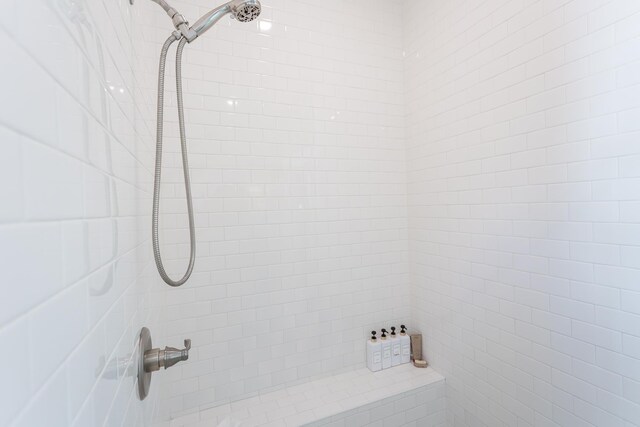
<point x="179" y="22"/>
<point x="205" y="22"/>
<point x="201" y="26"/>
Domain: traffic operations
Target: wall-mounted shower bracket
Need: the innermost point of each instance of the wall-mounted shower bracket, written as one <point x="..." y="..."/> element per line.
<point x="179" y="21"/>
<point x="152" y="359"/>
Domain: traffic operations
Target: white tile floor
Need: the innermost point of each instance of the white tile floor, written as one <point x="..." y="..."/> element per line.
<point x="315" y="401"/>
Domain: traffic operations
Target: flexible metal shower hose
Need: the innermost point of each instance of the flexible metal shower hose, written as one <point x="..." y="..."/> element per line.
<point x="185" y="163"/>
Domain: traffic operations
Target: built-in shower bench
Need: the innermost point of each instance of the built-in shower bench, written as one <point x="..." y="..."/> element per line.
<point x="399" y="396"/>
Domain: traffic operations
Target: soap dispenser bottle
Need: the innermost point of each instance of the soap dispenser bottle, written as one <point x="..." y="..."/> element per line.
<point x="405" y="345"/>
<point x="386" y="350"/>
<point x="374" y="353"/>
<point x="396" y="351"/>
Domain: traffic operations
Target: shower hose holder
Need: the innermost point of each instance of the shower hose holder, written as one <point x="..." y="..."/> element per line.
<point x="179" y="21"/>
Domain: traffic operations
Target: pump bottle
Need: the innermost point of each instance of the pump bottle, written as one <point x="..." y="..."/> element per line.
<point x="405" y="345"/>
<point x="386" y="350"/>
<point x="396" y="350"/>
<point x="374" y="353"/>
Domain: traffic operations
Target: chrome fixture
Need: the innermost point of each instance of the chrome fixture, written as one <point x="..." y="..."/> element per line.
<point x="152" y="359"/>
<point x="155" y="359"/>
<point x="243" y="11"/>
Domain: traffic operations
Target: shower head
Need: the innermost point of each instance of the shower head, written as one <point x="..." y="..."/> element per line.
<point x="245" y="10"/>
<point x="242" y="10"/>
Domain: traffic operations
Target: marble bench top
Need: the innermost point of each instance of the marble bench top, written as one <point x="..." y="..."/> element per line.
<point x="314" y="400"/>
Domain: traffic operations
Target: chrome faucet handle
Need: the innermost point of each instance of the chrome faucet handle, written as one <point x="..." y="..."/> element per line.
<point x="152" y="359"/>
<point x="184" y="353"/>
<point x="173" y="355"/>
<point x="156" y="358"/>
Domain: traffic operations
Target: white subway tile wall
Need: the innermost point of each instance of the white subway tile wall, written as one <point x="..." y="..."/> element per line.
<point x="472" y="164"/>
<point x="296" y="144"/>
<point x="76" y="148"/>
<point x="523" y="150"/>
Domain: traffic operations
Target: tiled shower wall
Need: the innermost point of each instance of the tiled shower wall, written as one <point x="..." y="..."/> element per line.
<point x="296" y="139"/>
<point x="75" y="173"/>
<point x="523" y="204"/>
<point x="523" y="122"/>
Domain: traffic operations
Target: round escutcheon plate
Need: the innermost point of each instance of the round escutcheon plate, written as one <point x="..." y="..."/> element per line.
<point x="144" y="378"/>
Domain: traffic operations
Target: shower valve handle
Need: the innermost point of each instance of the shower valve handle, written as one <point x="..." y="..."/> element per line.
<point x="156" y="358"/>
<point x="152" y="359"/>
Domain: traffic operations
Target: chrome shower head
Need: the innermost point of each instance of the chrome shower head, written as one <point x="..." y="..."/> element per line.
<point x="246" y="10"/>
<point x="242" y="10"/>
